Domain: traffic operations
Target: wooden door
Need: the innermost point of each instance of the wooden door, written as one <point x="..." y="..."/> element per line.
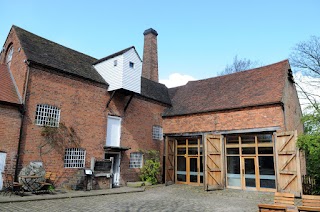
<point x="170" y="163"/>
<point x="213" y="162"/>
<point x="288" y="163"/>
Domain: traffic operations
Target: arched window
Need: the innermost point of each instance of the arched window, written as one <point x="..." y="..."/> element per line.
<point x="9" y="56"/>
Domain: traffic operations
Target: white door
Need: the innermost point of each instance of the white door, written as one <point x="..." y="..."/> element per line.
<point x="113" y="131"/>
<point x="116" y="167"/>
<point x="2" y="164"/>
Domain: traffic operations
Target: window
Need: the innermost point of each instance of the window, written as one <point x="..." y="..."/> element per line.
<point x="157" y="133"/>
<point x="131" y="64"/>
<point x="47" y="115"/>
<point x="74" y="158"/>
<point x="113" y="131"/>
<point x="115" y="63"/>
<point x="9" y="56"/>
<point x="136" y="160"/>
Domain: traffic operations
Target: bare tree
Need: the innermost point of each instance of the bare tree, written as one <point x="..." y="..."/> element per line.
<point x="239" y="65"/>
<point x="305" y="58"/>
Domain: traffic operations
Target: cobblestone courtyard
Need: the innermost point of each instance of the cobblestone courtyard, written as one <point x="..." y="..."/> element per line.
<point x="160" y="198"/>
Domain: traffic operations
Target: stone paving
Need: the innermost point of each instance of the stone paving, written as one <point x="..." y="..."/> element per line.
<point x="157" y="198"/>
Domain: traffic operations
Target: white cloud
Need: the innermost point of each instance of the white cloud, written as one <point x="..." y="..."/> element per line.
<point x="309" y="85"/>
<point x="176" y="79"/>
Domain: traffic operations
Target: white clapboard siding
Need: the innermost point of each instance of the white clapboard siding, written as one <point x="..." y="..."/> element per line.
<point x="111" y="74"/>
<point x="132" y="76"/>
<point x="122" y="76"/>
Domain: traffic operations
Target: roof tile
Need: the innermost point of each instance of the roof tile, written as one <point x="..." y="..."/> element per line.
<point x="8" y="92"/>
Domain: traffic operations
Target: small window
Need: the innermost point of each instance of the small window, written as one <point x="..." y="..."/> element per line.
<point x="131" y="64"/>
<point x="47" y="115"/>
<point x="9" y="56"/>
<point x="74" y="158"/>
<point x="136" y="160"/>
<point x="115" y="63"/>
<point x="157" y="133"/>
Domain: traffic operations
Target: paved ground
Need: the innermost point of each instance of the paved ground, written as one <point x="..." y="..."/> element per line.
<point x="159" y="198"/>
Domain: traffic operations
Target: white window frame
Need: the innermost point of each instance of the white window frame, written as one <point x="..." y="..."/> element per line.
<point x="136" y="160"/>
<point x="47" y="115"/>
<point x="113" y="137"/>
<point x="74" y="158"/>
<point x="157" y="133"/>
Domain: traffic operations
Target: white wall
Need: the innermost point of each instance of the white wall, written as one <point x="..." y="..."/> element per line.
<point x="122" y="76"/>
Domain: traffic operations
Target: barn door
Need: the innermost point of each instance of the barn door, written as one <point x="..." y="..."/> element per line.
<point x="213" y="162"/>
<point x="288" y="163"/>
<point x="169" y="166"/>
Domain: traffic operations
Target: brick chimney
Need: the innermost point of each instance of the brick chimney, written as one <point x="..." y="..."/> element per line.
<point x="150" y="55"/>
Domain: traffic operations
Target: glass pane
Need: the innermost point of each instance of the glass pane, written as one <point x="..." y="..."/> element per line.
<point x="193" y="150"/>
<point x="192" y="141"/>
<point x="232" y="139"/>
<point x="250" y="176"/>
<point x="233" y="171"/>
<point x="267" y="173"/>
<point x="193" y="170"/>
<point x="181" y="168"/>
<point x="248" y="150"/>
<point x="265" y="150"/>
<point x="233" y="151"/>
<point x="265" y="138"/>
<point x="201" y="165"/>
<point x="247" y="139"/>
<point x="181" y="177"/>
<point x="181" y="151"/>
<point x="181" y="163"/>
<point x="200" y="151"/>
<point x="181" y="142"/>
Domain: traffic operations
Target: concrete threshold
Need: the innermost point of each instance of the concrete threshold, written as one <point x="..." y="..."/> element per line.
<point x="64" y="194"/>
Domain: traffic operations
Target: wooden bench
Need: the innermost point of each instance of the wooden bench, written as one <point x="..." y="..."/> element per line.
<point x="310" y="203"/>
<point x="282" y="202"/>
<point x="48" y="184"/>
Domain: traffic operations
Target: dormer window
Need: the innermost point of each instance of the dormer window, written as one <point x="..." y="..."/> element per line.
<point x="131" y="64"/>
<point x="115" y="63"/>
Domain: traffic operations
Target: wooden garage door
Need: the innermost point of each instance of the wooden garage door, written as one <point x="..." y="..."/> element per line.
<point x="288" y="163"/>
<point x="169" y="166"/>
<point x="213" y="162"/>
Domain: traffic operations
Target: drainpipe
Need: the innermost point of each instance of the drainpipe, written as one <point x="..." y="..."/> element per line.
<point x="22" y="110"/>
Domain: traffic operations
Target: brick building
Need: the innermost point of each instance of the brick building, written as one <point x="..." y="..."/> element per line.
<point x="115" y="107"/>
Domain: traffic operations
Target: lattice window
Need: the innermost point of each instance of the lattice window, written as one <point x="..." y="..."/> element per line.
<point x="47" y="115"/>
<point x="157" y="133"/>
<point x="136" y="160"/>
<point x="74" y="158"/>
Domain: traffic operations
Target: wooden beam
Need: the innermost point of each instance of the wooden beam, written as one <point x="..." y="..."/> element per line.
<point x="111" y="97"/>
<point x="128" y="102"/>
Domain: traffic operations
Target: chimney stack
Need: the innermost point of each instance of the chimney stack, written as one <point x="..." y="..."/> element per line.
<point x="150" y="55"/>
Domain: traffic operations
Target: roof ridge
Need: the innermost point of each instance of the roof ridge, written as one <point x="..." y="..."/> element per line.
<point x="115" y="54"/>
<point x="240" y="72"/>
<point x="19" y="28"/>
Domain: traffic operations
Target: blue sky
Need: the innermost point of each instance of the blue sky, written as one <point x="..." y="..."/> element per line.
<point x="196" y="38"/>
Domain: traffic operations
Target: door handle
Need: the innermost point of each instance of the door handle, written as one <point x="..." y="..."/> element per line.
<point x="243" y="171"/>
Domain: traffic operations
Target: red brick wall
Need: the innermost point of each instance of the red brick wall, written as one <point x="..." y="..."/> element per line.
<point x="136" y="130"/>
<point x="18" y="67"/>
<point x="82" y="107"/>
<point x="9" y="135"/>
<point x="256" y="117"/>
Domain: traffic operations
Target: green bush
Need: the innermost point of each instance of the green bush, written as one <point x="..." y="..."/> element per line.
<point x="150" y="171"/>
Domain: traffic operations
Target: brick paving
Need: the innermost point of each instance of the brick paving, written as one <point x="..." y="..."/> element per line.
<point x="158" y="198"/>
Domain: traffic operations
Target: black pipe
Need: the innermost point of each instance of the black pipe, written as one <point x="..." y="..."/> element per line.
<point x="22" y="113"/>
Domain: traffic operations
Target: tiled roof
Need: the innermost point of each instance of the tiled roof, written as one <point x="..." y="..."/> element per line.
<point x="260" y="86"/>
<point x="8" y="92"/>
<point x="155" y="91"/>
<point x="48" y="53"/>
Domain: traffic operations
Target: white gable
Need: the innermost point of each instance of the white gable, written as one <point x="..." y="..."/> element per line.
<point x="122" y="71"/>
